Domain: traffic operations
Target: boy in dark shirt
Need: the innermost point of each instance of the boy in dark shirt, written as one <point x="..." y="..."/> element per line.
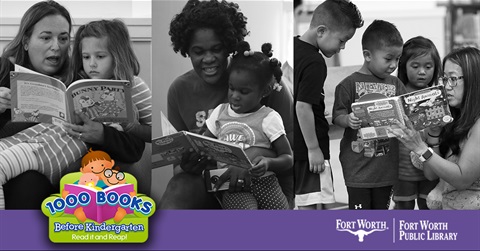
<point x="334" y="22"/>
<point x="370" y="167"/>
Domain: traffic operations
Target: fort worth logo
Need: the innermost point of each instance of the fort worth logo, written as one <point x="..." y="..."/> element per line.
<point x="361" y="227"/>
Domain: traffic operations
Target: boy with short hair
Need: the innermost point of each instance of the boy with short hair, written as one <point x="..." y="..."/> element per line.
<point x="334" y="22"/>
<point x="370" y="167"/>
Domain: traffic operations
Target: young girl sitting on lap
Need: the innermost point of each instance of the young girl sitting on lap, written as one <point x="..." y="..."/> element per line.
<point x="99" y="48"/>
<point x="245" y="121"/>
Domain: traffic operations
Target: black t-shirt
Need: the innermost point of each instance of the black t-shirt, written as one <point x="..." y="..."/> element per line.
<point x="310" y="72"/>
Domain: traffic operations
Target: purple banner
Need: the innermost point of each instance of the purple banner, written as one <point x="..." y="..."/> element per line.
<point x="273" y="230"/>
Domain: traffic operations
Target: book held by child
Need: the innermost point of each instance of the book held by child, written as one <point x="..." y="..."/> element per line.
<point x="168" y="149"/>
<point x="40" y="98"/>
<point x="424" y="108"/>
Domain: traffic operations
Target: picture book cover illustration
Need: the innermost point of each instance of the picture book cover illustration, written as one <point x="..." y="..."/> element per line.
<point x="40" y="98"/>
<point x="168" y="149"/>
<point x="98" y="204"/>
<point x="424" y="108"/>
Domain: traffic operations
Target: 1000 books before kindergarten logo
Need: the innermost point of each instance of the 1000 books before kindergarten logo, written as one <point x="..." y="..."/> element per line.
<point x="86" y="213"/>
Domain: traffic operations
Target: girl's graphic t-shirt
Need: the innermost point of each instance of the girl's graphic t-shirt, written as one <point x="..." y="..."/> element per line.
<point x="257" y="129"/>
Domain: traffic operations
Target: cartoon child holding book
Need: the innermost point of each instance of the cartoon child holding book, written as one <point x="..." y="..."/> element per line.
<point x="98" y="171"/>
<point x="112" y="177"/>
<point x="94" y="162"/>
<point x="89" y="179"/>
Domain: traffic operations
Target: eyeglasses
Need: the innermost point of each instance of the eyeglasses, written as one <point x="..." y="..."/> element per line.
<point x="452" y="81"/>
<point x="109" y="173"/>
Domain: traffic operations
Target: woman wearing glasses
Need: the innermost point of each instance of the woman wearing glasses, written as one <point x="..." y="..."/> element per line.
<point x="451" y="153"/>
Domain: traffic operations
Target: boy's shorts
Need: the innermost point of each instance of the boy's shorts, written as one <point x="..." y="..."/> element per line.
<point x="312" y="188"/>
<point x="411" y="190"/>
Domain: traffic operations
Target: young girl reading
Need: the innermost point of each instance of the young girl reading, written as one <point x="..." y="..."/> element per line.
<point x="99" y="48"/>
<point x="102" y="50"/>
<point x="245" y="121"/>
<point x="419" y="68"/>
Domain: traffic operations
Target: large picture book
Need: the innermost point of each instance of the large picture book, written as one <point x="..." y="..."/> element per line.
<point x="169" y="149"/>
<point x="158" y="158"/>
<point x="94" y="211"/>
<point x="40" y="98"/>
<point x="424" y="108"/>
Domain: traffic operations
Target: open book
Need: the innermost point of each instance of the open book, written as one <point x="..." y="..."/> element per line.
<point x="40" y="98"/>
<point x="94" y="211"/>
<point x="168" y="149"/>
<point x="424" y="108"/>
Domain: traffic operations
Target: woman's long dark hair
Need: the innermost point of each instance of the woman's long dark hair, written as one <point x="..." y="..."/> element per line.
<point x="467" y="114"/>
<point x="15" y="49"/>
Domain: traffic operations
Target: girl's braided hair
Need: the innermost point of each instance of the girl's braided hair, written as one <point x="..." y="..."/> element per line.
<point x="258" y="63"/>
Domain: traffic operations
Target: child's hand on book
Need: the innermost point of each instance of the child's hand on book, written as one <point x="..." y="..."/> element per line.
<point x="65" y="193"/>
<point x="89" y="131"/>
<point x="353" y="122"/>
<point x="4" y="99"/>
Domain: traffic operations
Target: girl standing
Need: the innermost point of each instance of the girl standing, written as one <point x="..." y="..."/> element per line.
<point x="419" y="68"/>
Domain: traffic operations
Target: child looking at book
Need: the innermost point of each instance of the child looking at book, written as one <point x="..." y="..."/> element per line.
<point x="102" y="50"/>
<point x="207" y="32"/>
<point x="419" y="67"/>
<point x="28" y="150"/>
<point x="245" y="121"/>
<point x="97" y="162"/>
<point x="100" y="164"/>
<point x="333" y="23"/>
<point x="370" y="168"/>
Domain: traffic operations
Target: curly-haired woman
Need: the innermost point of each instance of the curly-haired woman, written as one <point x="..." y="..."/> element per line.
<point x="208" y="32"/>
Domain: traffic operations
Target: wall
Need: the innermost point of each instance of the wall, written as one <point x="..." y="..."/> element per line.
<point x="85" y="8"/>
<point x="135" y="14"/>
<point x="412" y="18"/>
